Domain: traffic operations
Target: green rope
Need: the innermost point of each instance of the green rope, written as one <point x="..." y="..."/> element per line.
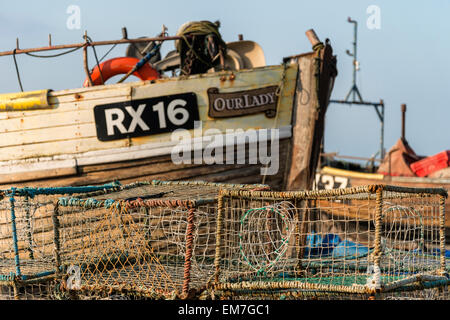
<point x="197" y="29"/>
<point x="277" y="251"/>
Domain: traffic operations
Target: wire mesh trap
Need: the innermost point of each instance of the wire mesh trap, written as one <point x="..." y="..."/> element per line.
<point x="171" y="240"/>
<point x="27" y="265"/>
<point x="144" y="240"/>
<point x="354" y="242"/>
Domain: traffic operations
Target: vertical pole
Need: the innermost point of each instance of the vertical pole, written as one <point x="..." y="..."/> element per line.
<point x="301" y="233"/>
<point x="85" y="60"/>
<point x="354" y="55"/>
<point x="378" y="218"/>
<point x="442" y="233"/>
<point x="16" y="291"/>
<point x="382" y="130"/>
<point x="219" y="226"/>
<point x="377" y="248"/>
<point x="14" y="234"/>
<point x="28" y="231"/>
<point x="403" y="121"/>
<point x="15" y="245"/>
<point x="56" y="236"/>
<point x="147" y="223"/>
<point x="124" y="33"/>
<point x="189" y="249"/>
<point x="354" y="88"/>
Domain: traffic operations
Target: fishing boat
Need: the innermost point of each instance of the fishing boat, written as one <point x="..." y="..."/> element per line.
<point x="401" y="166"/>
<point x="180" y="121"/>
<point x="329" y="177"/>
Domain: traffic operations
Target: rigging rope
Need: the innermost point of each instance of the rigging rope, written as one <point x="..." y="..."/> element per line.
<point x="110" y="49"/>
<point x="52" y="55"/>
<point x="89" y="40"/>
<point x="17" y="70"/>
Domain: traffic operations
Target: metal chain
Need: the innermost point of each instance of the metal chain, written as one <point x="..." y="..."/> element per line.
<point x="188" y="62"/>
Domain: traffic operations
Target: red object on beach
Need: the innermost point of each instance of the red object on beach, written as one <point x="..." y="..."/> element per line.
<point x="424" y="167"/>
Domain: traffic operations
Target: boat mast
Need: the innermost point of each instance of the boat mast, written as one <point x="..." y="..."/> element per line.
<point x="354" y="91"/>
<point x="354" y="88"/>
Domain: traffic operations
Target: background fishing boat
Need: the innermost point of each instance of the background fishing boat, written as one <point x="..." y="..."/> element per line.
<point x="400" y="166"/>
<point x="329" y="177"/>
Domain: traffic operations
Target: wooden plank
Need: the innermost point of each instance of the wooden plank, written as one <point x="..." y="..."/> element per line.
<point x="16" y="172"/>
<point x="149" y="168"/>
<point x="63" y="147"/>
<point x="265" y="75"/>
<point x="405" y="182"/>
<point x="136" y="172"/>
<point x="78" y="115"/>
<point x="63" y="99"/>
<point x="252" y="173"/>
<point x="305" y="110"/>
<point x="37" y="136"/>
<point x="364" y="211"/>
<point x="36" y="171"/>
<point x="169" y="169"/>
<point x="56" y="98"/>
<point x="49" y="120"/>
<point x="124" y="164"/>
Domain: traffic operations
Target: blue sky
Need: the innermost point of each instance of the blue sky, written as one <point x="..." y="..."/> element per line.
<point x="405" y="61"/>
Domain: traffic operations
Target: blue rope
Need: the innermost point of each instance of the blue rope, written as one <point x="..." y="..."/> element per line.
<point x="147" y="57"/>
<point x="86" y="203"/>
<point x="109" y="203"/>
<point x="14" y="232"/>
<point x="7" y="277"/>
<point x="31" y="192"/>
<point x="206" y="183"/>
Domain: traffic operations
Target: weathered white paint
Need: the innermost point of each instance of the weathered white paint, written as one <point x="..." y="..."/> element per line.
<point x="69" y="128"/>
<point x="37" y="170"/>
<point x="19" y="170"/>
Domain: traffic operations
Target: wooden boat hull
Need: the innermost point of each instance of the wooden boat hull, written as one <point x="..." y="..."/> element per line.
<point x="55" y="141"/>
<point x="328" y="178"/>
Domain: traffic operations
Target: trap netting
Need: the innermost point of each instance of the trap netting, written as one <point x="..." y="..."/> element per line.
<point x="146" y="240"/>
<point x="27" y="259"/>
<point x="355" y="241"/>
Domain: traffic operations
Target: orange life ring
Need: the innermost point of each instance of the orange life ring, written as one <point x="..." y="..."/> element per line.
<point x="121" y="65"/>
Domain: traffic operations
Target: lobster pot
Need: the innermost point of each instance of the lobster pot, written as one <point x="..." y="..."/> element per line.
<point x="371" y="241"/>
<point x="27" y="255"/>
<point x="147" y="240"/>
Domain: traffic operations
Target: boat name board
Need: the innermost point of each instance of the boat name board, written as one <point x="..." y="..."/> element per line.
<point x="143" y="117"/>
<point x="240" y="103"/>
